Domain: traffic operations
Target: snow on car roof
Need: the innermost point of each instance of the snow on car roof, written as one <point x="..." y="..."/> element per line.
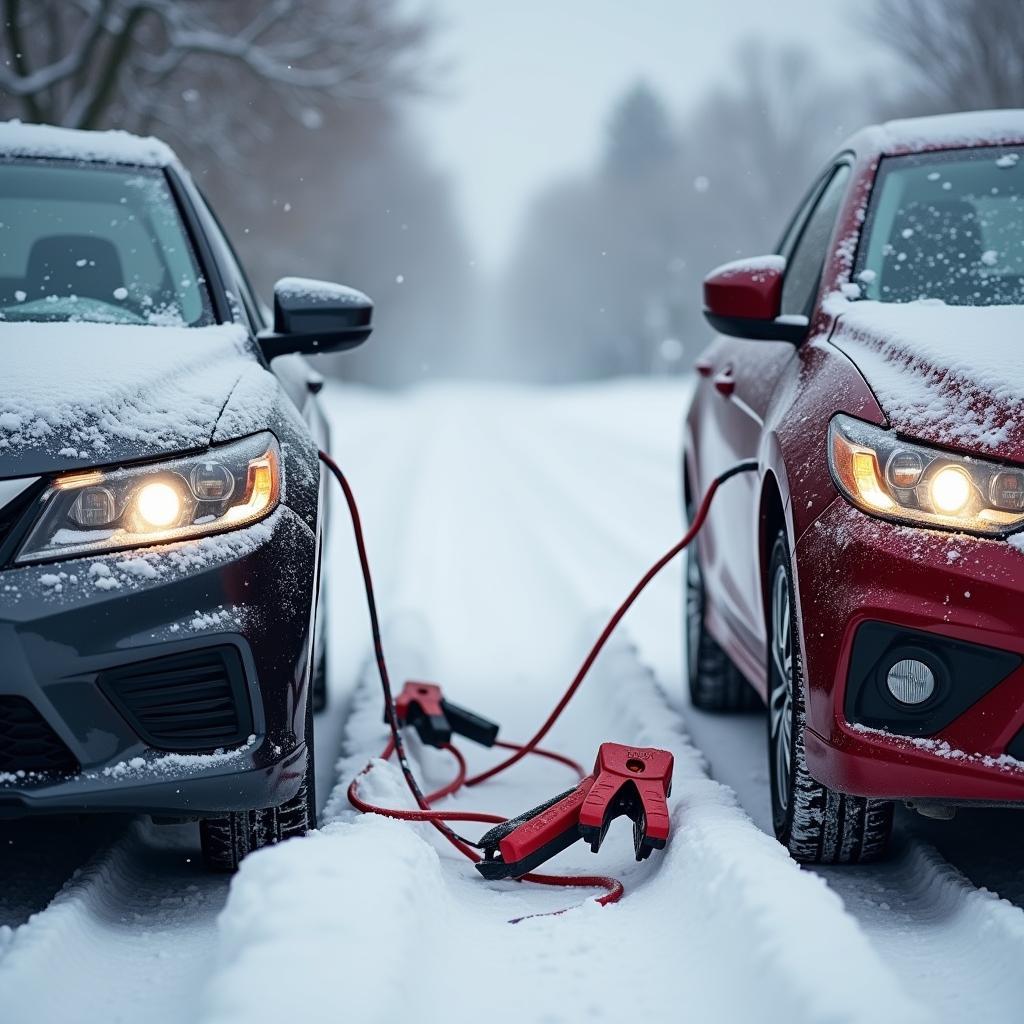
<point x="110" y="147"/>
<point x="974" y="128"/>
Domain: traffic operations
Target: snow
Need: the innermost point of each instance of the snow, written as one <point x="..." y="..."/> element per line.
<point x="305" y="288"/>
<point x="112" y="147"/>
<point x="974" y="128"/>
<point x="155" y="387"/>
<point x="479" y="465"/>
<point x="502" y="525"/>
<point x="775" y="264"/>
<point x="945" y="373"/>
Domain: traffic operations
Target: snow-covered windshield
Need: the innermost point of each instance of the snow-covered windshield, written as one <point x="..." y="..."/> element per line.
<point x="99" y="244"/>
<point x="946" y="226"/>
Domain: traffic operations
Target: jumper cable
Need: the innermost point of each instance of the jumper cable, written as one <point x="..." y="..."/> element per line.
<point x="613" y="888"/>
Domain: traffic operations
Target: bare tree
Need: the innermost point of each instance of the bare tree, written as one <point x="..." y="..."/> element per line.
<point x="77" y="62"/>
<point x="607" y="276"/>
<point x="963" y="54"/>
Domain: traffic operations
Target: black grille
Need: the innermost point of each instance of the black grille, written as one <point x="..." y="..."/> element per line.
<point x="28" y="744"/>
<point x="184" y="702"/>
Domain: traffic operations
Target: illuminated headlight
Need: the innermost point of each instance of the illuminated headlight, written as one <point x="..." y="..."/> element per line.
<point x="224" y="488"/>
<point x="911" y="483"/>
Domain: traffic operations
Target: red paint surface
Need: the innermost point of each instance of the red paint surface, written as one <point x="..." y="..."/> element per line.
<point x="848" y="566"/>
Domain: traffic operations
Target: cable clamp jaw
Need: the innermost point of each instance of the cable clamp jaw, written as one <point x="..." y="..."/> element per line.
<point x="630" y="781"/>
<point x="423" y="706"/>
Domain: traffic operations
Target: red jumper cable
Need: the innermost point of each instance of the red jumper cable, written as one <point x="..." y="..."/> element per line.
<point x="626" y="781"/>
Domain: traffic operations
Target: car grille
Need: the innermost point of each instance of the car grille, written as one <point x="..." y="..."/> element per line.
<point x="191" y="702"/>
<point x="28" y="744"/>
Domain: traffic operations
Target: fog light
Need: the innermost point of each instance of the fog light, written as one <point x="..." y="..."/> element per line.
<point x="910" y="681"/>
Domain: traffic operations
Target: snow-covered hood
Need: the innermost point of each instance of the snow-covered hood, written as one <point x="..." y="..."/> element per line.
<point x="953" y="375"/>
<point x="78" y="395"/>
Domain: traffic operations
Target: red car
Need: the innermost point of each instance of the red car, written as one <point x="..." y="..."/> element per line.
<point x="867" y="583"/>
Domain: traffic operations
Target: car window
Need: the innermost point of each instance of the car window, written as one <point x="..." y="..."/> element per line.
<point x="947" y="226"/>
<point x="241" y="293"/>
<point x="100" y="244"/>
<point x="803" y="268"/>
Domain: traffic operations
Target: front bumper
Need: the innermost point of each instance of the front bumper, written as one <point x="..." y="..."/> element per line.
<point x="852" y="569"/>
<point x="65" y="625"/>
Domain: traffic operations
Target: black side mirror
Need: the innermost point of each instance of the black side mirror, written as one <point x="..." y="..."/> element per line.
<point x="316" y="316"/>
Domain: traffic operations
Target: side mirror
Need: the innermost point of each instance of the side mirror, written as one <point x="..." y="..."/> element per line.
<point x="316" y="316"/>
<point x="744" y="299"/>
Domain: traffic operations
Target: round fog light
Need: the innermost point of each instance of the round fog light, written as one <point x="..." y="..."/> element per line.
<point x="910" y="681"/>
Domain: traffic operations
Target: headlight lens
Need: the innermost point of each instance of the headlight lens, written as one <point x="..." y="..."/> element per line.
<point x="224" y="488"/>
<point x="911" y="483"/>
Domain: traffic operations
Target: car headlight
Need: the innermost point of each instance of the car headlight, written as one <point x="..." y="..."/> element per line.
<point x="228" y="486"/>
<point x="911" y="483"/>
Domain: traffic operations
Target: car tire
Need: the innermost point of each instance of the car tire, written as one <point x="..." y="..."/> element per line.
<point x="816" y="824"/>
<point x="226" y="841"/>
<point x="715" y="682"/>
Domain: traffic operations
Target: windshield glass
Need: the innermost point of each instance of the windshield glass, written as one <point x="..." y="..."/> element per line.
<point x="946" y="226"/>
<point x="95" y="243"/>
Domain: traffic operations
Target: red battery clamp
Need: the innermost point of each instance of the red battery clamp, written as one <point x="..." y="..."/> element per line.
<point x="630" y="781"/>
<point x="424" y="707"/>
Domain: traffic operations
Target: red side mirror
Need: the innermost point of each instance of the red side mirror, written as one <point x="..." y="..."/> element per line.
<point x="744" y="299"/>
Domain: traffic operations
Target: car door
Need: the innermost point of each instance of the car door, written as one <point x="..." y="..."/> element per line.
<point x="741" y="376"/>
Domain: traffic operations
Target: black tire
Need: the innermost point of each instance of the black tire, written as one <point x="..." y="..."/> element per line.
<point x="816" y="824"/>
<point x="226" y="841"/>
<point x="716" y="684"/>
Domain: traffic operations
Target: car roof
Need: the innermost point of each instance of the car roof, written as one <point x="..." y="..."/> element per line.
<point x="106" y="147"/>
<point x="944" y="131"/>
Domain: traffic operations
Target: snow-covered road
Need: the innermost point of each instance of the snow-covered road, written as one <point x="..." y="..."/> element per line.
<point x="503" y="524"/>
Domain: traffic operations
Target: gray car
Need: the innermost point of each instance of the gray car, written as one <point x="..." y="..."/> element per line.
<point x="160" y="500"/>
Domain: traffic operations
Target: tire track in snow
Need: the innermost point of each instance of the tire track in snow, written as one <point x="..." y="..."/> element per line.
<point x="367" y="897"/>
<point x="38" y="855"/>
<point x="956" y="947"/>
<point x="722" y="901"/>
<point x="128" y="937"/>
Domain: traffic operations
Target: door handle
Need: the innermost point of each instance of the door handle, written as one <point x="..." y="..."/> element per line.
<point x="725" y="383"/>
<point x="704" y="366"/>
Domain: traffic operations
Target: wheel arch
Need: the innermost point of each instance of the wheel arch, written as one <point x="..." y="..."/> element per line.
<point x="771" y="519"/>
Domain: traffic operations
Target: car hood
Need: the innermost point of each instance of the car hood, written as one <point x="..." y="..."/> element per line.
<point x="952" y="375"/>
<point x="79" y="395"/>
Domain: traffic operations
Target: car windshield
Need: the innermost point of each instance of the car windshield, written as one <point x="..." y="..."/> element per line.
<point x="947" y="226"/>
<point x="95" y="243"/>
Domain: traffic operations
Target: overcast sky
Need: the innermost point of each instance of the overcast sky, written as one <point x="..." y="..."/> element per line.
<point x="532" y="81"/>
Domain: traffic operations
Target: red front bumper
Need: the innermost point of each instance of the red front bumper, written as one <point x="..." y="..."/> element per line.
<point x="851" y="569"/>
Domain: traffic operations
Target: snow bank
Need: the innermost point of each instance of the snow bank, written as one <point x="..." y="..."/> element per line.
<point x="946" y="373"/>
<point x="112" y="147"/>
